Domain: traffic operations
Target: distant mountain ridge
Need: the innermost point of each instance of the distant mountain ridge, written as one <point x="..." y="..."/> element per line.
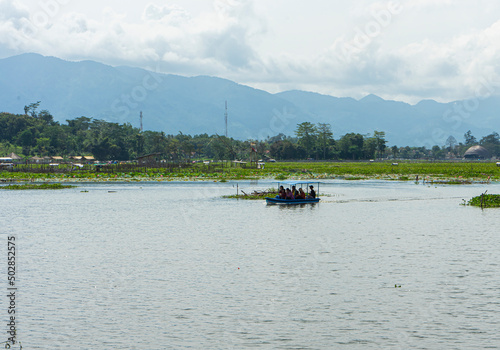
<point x="195" y="105"/>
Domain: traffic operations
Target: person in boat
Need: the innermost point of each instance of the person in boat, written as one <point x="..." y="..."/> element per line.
<point x="281" y="193"/>
<point x="312" y="192"/>
<point x="301" y="195"/>
<point x="295" y="192"/>
<point x="289" y="194"/>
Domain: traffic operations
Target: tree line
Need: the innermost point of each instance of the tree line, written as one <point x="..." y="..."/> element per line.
<point x="35" y="133"/>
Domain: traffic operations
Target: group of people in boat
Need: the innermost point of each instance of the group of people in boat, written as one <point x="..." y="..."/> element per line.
<point x="292" y="194"/>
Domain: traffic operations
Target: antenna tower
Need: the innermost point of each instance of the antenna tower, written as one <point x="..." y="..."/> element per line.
<point x="141" y="121"/>
<point x="225" y="118"/>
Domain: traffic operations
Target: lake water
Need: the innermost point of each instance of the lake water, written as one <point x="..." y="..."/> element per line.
<point x="375" y="265"/>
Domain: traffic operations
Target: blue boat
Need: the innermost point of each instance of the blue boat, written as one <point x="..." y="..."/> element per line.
<point x="277" y="200"/>
<point x="270" y="200"/>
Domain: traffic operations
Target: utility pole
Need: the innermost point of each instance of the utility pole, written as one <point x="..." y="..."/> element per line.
<point x="141" y="121"/>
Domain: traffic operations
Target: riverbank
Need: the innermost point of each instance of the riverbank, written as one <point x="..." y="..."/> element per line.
<point x="445" y="172"/>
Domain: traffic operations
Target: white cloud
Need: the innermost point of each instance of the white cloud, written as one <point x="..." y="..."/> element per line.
<point x="12" y="11"/>
<point x="444" y="69"/>
<point x="426" y="49"/>
<point x="419" y="4"/>
<point x="218" y="41"/>
<point x="170" y="14"/>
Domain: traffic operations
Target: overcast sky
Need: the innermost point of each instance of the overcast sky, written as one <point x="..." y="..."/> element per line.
<point x="405" y="50"/>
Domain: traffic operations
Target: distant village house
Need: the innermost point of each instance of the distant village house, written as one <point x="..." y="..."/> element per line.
<point x="149" y="159"/>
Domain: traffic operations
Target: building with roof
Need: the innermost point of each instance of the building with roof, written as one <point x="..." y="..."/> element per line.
<point x="149" y="159"/>
<point x="15" y="156"/>
<point x="36" y="159"/>
<point x="477" y="152"/>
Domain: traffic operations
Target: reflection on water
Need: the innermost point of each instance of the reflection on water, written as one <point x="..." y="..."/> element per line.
<point x="175" y="266"/>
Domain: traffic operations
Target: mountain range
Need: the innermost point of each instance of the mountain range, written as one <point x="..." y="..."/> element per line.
<point x="196" y="105"/>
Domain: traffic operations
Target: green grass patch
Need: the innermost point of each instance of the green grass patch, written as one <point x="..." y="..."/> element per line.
<point x="486" y="201"/>
<point x="51" y="186"/>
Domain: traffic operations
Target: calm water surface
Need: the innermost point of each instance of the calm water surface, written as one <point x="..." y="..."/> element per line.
<point x="175" y="266"/>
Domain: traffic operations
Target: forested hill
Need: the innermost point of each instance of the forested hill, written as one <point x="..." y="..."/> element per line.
<point x="170" y="103"/>
<point x="196" y="105"/>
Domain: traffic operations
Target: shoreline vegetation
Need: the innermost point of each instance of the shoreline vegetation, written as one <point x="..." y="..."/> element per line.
<point x="452" y="173"/>
<point x="36" y="186"/>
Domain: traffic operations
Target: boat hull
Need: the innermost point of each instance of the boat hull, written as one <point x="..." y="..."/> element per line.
<point x="290" y="201"/>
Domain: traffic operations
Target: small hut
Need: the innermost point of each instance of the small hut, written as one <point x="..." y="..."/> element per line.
<point x="149" y="159"/>
<point x="477" y="152"/>
<point x="88" y="159"/>
<point x="15" y="156"/>
<point x="57" y="160"/>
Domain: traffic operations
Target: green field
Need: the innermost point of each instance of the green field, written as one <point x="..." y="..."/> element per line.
<point x="446" y="172"/>
<point x="402" y="171"/>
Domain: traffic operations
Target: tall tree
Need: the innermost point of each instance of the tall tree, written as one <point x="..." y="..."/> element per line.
<point x="31" y="109"/>
<point x="370" y="148"/>
<point x="351" y="146"/>
<point x="307" y="134"/>
<point x="380" y="143"/>
<point x="451" y="142"/>
<point x="395" y="151"/>
<point x="470" y="140"/>
<point x="325" y="138"/>
<point x="492" y="143"/>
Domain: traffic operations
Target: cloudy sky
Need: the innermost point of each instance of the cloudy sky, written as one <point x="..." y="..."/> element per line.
<point x="405" y="50"/>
